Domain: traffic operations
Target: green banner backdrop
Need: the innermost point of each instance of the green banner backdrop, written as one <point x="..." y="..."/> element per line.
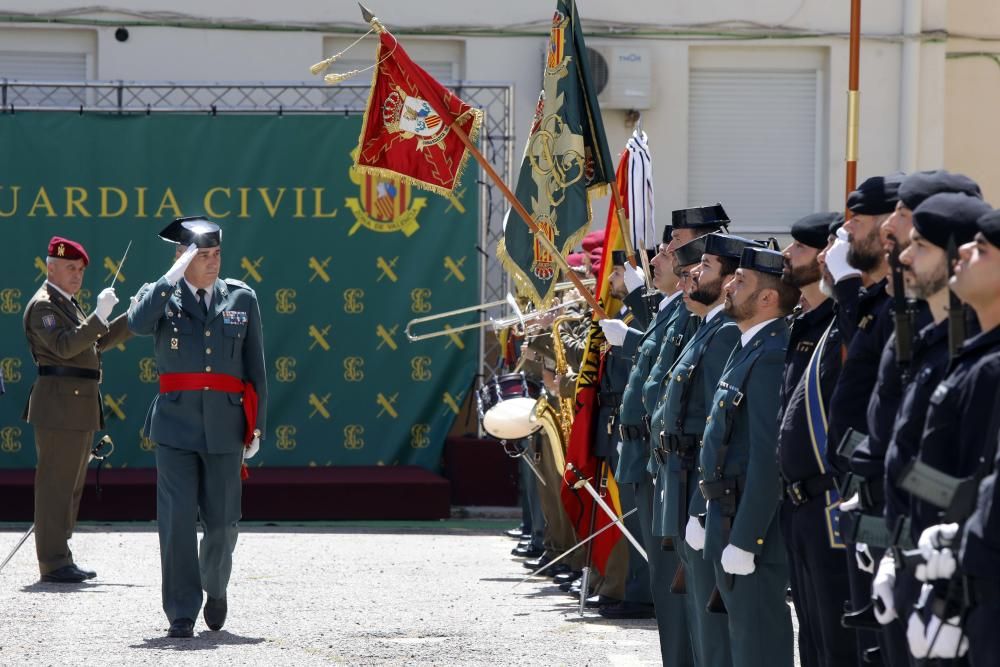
<point x="340" y="263"/>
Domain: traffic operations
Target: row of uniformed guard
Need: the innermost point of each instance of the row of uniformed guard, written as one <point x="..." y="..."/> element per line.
<point x="822" y="419"/>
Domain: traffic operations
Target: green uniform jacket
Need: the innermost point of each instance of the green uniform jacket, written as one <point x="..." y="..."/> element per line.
<point x="689" y="386"/>
<point x="682" y="326"/>
<point x="749" y="392"/>
<point x="632" y="463"/>
<point x="229" y="340"/>
<point x="59" y="334"/>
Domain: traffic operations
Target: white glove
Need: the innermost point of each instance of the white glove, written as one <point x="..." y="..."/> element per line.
<point x="634" y="278"/>
<point x="737" y="561"/>
<point x="836" y="258"/>
<point x="885" y="579"/>
<point x="938" y="639"/>
<point x="936" y="537"/>
<point x="106" y="301"/>
<point x="940" y="565"/>
<point x="851" y="504"/>
<point x="694" y="534"/>
<point x="251" y="450"/>
<point x="614" y="331"/>
<point x="176" y="272"/>
<point x="863" y="555"/>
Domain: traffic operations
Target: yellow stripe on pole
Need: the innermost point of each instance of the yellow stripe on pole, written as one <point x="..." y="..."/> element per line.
<point x="853" y="124"/>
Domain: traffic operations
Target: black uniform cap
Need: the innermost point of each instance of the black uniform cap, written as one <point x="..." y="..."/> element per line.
<point x="814" y="230"/>
<point x="948" y="214"/>
<point x="667" y="233"/>
<point x="764" y="260"/>
<point x="691" y="252"/>
<point x="837" y="224"/>
<point x="989" y="225"/>
<point x="877" y="195"/>
<point x="197" y="230"/>
<point x="619" y="258"/>
<point x="700" y="217"/>
<point x="920" y="185"/>
<point x="727" y="245"/>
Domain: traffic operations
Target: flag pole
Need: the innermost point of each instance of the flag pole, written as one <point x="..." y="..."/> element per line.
<point x="518" y="207"/>
<point x="853" y="102"/>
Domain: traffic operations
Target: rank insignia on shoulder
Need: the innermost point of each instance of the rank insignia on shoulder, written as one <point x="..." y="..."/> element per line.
<point x="234" y="317"/>
<point x="49" y="322"/>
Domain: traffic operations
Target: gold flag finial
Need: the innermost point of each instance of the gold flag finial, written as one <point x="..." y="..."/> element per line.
<point x="371" y="19"/>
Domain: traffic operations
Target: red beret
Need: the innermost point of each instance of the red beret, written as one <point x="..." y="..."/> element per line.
<point x="593" y="240"/>
<point x="575" y="259"/>
<point x="596" y="256"/>
<point x="66" y="249"/>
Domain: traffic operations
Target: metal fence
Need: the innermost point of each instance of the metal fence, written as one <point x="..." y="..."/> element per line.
<point x="139" y="97"/>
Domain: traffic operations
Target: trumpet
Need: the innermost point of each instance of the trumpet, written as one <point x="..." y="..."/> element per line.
<point x="493" y="324"/>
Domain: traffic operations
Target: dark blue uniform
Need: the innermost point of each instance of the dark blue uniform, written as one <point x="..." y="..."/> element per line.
<point x="817" y="570"/>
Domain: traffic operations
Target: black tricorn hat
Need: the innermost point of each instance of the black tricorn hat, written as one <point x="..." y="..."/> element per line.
<point x="668" y="232"/>
<point x="764" y="260"/>
<point x="195" y="229"/>
<point x="728" y="245"/>
<point x="619" y="258"/>
<point x="691" y="252"/>
<point x="700" y="217"/>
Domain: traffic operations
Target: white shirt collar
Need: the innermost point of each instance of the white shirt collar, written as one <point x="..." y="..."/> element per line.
<point x="715" y="311"/>
<point x="69" y="297"/>
<point x="669" y="299"/>
<point x="194" y="291"/>
<point x="752" y="331"/>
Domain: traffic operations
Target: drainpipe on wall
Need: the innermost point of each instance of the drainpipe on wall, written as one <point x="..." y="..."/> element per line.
<point x="909" y="87"/>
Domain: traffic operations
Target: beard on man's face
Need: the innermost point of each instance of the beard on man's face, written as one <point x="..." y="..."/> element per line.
<point x="800" y="276"/>
<point x="867" y="253"/>
<point x="741" y="312"/>
<point x="707" y="293"/>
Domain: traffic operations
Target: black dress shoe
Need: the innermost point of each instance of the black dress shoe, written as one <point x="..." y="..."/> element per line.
<point x="597" y="601"/>
<point x="528" y="552"/>
<point x="535" y="563"/>
<point x="627" y="609"/>
<point x="89" y="573"/>
<point x="516" y="533"/>
<point x="557" y="568"/>
<point x="215" y="613"/>
<point x="567" y="577"/>
<point x="67" y="574"/>
<point x="182" y="628"/>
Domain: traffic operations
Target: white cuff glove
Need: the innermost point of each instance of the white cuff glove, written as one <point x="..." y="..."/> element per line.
<point x="737" y="561"/>
<point x="634" y="278"/>
<point x="614" y="331"/>
<point x="694" y="534"/>
<point x="851" y="504"/>
<point x="934" y="545"/>
<point x="863" y="555"/>
<point x="836" y="258"/>
<point x="251" y="450"/>
<point x="176" y="272"/>
<point x="106" y="301"/>
<point x="938" y="639"/>
<point x="936" y="537"/>
<point x="885" y="580"/>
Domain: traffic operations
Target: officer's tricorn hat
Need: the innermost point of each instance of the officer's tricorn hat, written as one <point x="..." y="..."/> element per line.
<point x="668" y="232"/>
<point x="764" y="260"/>
<point x="619" y="258"/>
<point x="691" y="252"/>
<point x="197" y="230"/>
<point x="728" y="245"/>
<point x="700" y="217"/>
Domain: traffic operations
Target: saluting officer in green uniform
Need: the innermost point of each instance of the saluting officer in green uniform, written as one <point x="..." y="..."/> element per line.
<point x="208" y="416"/>
<point x="741" y="485"/>
<point x="678" y="422"/>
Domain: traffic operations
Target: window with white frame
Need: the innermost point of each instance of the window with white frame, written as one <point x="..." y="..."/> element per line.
<point x="755" y="139"/>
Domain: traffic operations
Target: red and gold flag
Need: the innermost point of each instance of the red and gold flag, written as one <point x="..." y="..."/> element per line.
<point x="407" y="130"/>
<point x="580" y="450"/>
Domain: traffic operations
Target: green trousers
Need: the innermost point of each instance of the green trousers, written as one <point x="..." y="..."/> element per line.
<point x="760" y="623"/>
<point x="59" y="481"/>
<point x="193" y="485"/>
<point x="711" y="631"/>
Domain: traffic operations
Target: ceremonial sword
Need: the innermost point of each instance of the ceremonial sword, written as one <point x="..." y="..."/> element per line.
<point x="117" y="271"/>
<point x="95" y="453"/>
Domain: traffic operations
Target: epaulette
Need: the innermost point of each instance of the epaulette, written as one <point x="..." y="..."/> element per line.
<point x="237" y="283"/>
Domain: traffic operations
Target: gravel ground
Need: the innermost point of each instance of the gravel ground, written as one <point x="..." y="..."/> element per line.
<point x="353" y="594"/>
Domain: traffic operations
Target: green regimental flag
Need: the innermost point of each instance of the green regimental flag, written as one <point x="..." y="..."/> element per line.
<point x="565" y="162"/>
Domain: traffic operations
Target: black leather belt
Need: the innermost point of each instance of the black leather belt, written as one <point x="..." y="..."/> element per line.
<point x="69" y="372"/>
<point x="609" y="398"/>
<point x="721" y="488"/>
<point x="634" y="432"/>
<point x="804" y="490"/>
<point x="682" y="444"/>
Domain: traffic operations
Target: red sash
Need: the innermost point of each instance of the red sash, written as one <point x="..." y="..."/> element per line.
<point x="216" y="382"/>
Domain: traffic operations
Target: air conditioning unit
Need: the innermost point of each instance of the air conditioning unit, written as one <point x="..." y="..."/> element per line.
<point x="622" y="75"/>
